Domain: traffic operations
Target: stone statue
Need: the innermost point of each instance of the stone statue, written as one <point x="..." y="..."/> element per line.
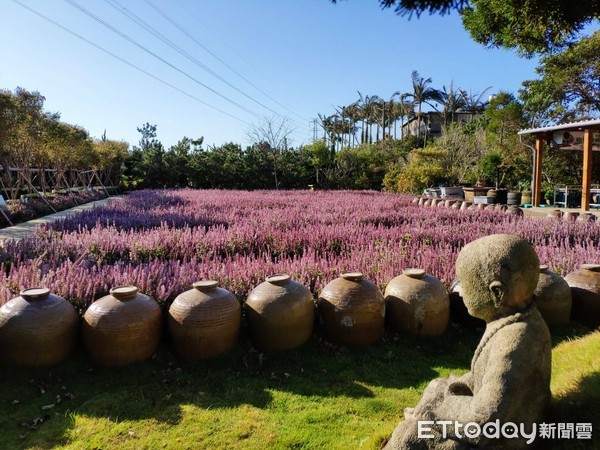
<point x="509" y="381"/>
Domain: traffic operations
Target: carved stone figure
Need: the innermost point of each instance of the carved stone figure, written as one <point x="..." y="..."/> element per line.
<point x="509" y="379"/>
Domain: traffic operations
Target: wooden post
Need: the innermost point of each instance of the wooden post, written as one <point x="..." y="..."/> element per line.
<point x="537" y="171"/>
<point x="587" y="169"/>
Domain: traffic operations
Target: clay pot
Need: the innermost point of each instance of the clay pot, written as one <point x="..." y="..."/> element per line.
<point x="122" y="328"/>
<point x="585" y="289"/>
<point x="570" y="216"/>
<point x="427" y="202"/>
<point x="435" y="202"/>
<point x="352" y="310"/>
<point x="456" y="205"/>
<point x="514" y="211"/>
<point x="465" y="205"/>
<point x="473" y="207"/>
<point x="458" y="310"/>
<point x="449" y="203"/>
<point x="556" y="214"/>
<point x="553" y="297"/>
<point x="417" y="303"/>
<point x="482" y="206"/>
<point x="37" y="328"/>
<point x="526" y="198"/>
<point x="443" y="204"/>
<point x="586" y="217"/>
<point x="416" y="200"/>
<point x="280" y="314"/>
<point x="204" y="321"/>
<point x="422" y="201"/>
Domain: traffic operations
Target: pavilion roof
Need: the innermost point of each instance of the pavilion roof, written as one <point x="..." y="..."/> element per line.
<point x="573" y="126"/>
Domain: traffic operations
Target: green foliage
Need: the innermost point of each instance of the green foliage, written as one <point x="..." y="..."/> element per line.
<point x="491" y="165"/>
<point x="529" y="26"/>
<point x="424" y="168"/>
<point x="569" y="84"/>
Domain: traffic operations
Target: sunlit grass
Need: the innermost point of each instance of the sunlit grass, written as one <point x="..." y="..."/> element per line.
<point x="319" y="396"/>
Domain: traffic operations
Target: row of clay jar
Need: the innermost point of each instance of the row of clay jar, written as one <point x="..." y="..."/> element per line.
<point x="570" y="216"/>
<point x="39" y="328"/>
<point x="463" y="205"/>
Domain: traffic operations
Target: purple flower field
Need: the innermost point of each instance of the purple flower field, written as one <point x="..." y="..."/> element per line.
<point x="162" y="241"/>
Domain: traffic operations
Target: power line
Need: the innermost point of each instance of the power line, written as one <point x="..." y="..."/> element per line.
<point x="165" y="16"/>
<point x="150" y="52"/>
<point x="139" y="21"/>
<point x="39" y="14"/>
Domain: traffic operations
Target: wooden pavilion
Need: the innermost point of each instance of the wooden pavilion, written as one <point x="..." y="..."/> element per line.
<point x="570" y="136"/>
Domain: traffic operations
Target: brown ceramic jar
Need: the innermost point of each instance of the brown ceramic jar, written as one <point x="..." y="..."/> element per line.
<point x="458" y="310"/>
<point x="204" y="321"/>
<point x="416" y="200"/>
<point x="556" y="214"/>
<point x="352" y="310"/>
<point x="421" y="201"/>
<point x="514" y="211"/>
<point x="121" y="328"/>
<point x="570" y="216"/>
<point x="585" y="289"/>
<point x="457" y="204"/>
<point x="417" y="303"/>
<point x="280" y="314"/>
<point x="465" y="205"/>
<point x="586" y="217"/>
<point x="553" y="297"/>
<point x="37" y="328"/>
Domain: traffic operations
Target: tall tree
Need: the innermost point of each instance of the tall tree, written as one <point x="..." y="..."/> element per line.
<point x="529" y="26"/>
<point x="422" y="93"/>
<point x="569" y="84"/>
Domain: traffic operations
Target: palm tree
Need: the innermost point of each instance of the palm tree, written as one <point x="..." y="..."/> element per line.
<point x="453" y="101"/>
<point x="404" y="109"/>
<point x="423" y="93"/>
<point x="474" y="103"/>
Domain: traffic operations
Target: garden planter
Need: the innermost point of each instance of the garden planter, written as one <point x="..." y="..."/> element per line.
<point x="513" y="198"/>
<point x="465" y="205"/>
<point x="585" y="289"/>
<point x="417" y="303"/>
<point x="458" y="310"/>
<point x="352" y="310"/>
<point x="37" y="328"/>
<point x="456" y="205"/>
<point x="280" y="314"/>
<point x="553" y="297"/>
<point x="526" y="198"/>
<point x="427" y="202"/>
<point x="449" y="203"/>
<point x="204" y="321"/>
<point x="121" y="328"/>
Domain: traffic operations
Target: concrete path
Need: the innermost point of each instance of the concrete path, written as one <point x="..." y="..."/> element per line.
<point x="24" y="229"/>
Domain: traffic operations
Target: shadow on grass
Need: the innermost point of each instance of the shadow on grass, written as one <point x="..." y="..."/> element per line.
<point x="31" y="416"/>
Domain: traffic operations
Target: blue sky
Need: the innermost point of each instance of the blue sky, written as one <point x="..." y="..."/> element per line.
<point x="308" y="55"/>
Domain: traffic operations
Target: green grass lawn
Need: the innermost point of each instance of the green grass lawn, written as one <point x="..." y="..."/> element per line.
<point x="319" y="396"/>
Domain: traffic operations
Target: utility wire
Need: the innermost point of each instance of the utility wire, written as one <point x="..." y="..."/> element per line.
<point x="204" y="47"/>
<point x="108" y="52"/>
<point x="142" y="23"/>
<point x="150" y="52"/>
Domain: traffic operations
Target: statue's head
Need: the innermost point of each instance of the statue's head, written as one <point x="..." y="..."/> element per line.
<point x="498" y="275"/>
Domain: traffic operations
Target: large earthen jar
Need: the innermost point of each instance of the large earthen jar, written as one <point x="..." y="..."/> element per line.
<point x="352" y="310"/>
<point x="280" y="313"/>
<point x="417" y="303"/>
<point x="37" y="328"/>
<point x="121" y="328"/>
<point x="585" y="288"/>
<point x="553" y="297"/>
<point x="204" y="321"/>
<point x="458" y="311"/>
